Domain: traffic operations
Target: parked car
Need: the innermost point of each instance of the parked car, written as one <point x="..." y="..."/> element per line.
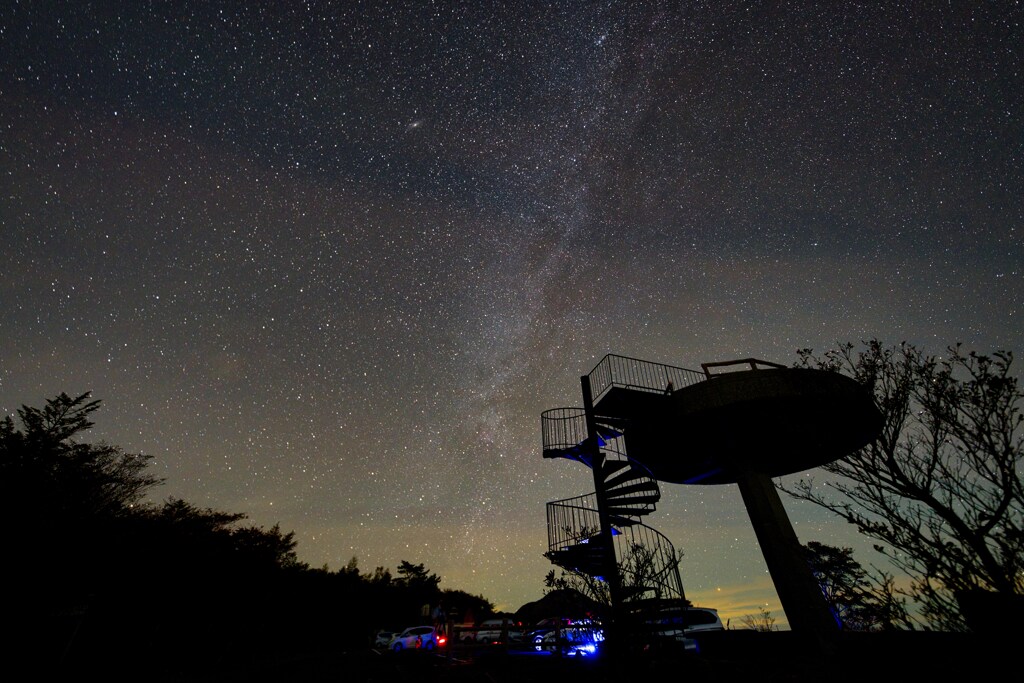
<point x="546" y="626"/>
<point x="492" y="630"/>
<point x="681" y="629"/>
<point x="418" y="638"/>
<point x="699" y="619"/>
<point x="578" y="640"/>
<point x="384" y="638"/>
<point x="464" y="632"/>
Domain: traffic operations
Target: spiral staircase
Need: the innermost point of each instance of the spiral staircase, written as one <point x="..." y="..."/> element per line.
<point x="644" y="562"/>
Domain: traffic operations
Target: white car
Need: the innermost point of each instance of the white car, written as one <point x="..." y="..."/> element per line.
<point x="490" y="630"/>
<point x="698" y="619"/>
<point x="417" y="638"/>
<point x="683" y="628"/>
<point x="384" y="638"/>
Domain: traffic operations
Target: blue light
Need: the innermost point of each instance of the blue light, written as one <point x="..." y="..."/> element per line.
<point x="701" y="477"/>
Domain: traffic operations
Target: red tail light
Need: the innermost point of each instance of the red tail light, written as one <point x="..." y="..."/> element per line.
<point x="441" y="640"/>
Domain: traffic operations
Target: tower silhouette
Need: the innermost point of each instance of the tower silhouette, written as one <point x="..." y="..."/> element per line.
<point x="734" y="422"/>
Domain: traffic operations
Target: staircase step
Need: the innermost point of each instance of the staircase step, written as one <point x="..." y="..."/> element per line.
<point x="610" y="467"/>
<point x="612" y="421"/>
<point x="631" y="474"/>
<point x="608" y="432"/>
<point x="593" y="563"/>
<point x="581" y="563"/>
<point x="634" y="499"/>
<point x="620" y="520"/>
<point x="630" y="511"/>
<point x="594" y="546"/>
<point x="639" y="487"/>
<point x="596" y="556"/>
<point x="592" y="570"/>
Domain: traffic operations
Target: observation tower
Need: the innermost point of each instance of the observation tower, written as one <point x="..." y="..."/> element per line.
<point x="736" y="422"/>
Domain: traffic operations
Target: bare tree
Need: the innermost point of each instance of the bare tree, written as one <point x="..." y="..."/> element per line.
<point x="763" y="621"/>
<point x="642" y="573"/>
<point x="645" y="573"/>
<point x="593" y="588"/>
<point x="940" y="488"/>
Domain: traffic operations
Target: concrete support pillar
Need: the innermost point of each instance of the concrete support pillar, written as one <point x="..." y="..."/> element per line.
<point x="802" y="599"/>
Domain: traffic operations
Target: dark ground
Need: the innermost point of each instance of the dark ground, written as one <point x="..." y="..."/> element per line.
<point x="725" y="658"/>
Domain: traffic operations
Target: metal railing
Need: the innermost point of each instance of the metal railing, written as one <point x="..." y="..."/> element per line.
<point x="648" y="563"/>
<point x="642" y="375"/>
<point x="572" y="521"/>
<point x="563" y="431"/>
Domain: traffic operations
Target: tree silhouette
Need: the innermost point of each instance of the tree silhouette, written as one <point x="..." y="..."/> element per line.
<point x="69" y="502"/>
<point x="416" y="577"/>
<point x="420" y="590"/>
<point x="93" y="553"/>
<point x="859" y="600"/>
<point x="464" y="607"/>
<point x="102" y="579"/>
<point x="941" y="487"/>
<point x="593" y="588"/>
<point x="48" y="475"/>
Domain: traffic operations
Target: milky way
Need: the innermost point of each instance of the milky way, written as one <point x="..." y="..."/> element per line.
<point x="328" y="262"/>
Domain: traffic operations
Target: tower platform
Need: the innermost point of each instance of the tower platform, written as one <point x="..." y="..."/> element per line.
<point x="772" y="421"/>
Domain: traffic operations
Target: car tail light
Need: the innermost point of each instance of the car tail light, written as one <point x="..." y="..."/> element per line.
<point x="441" y="640"/>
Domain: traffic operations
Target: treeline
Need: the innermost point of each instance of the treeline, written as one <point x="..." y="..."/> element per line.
<point x="100" y="578"/>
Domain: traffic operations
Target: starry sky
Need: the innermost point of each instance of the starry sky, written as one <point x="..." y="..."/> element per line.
<point x="327" y="262"/>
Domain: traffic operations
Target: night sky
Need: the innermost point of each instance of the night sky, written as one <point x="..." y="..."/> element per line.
<point x="328" y="262"/>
